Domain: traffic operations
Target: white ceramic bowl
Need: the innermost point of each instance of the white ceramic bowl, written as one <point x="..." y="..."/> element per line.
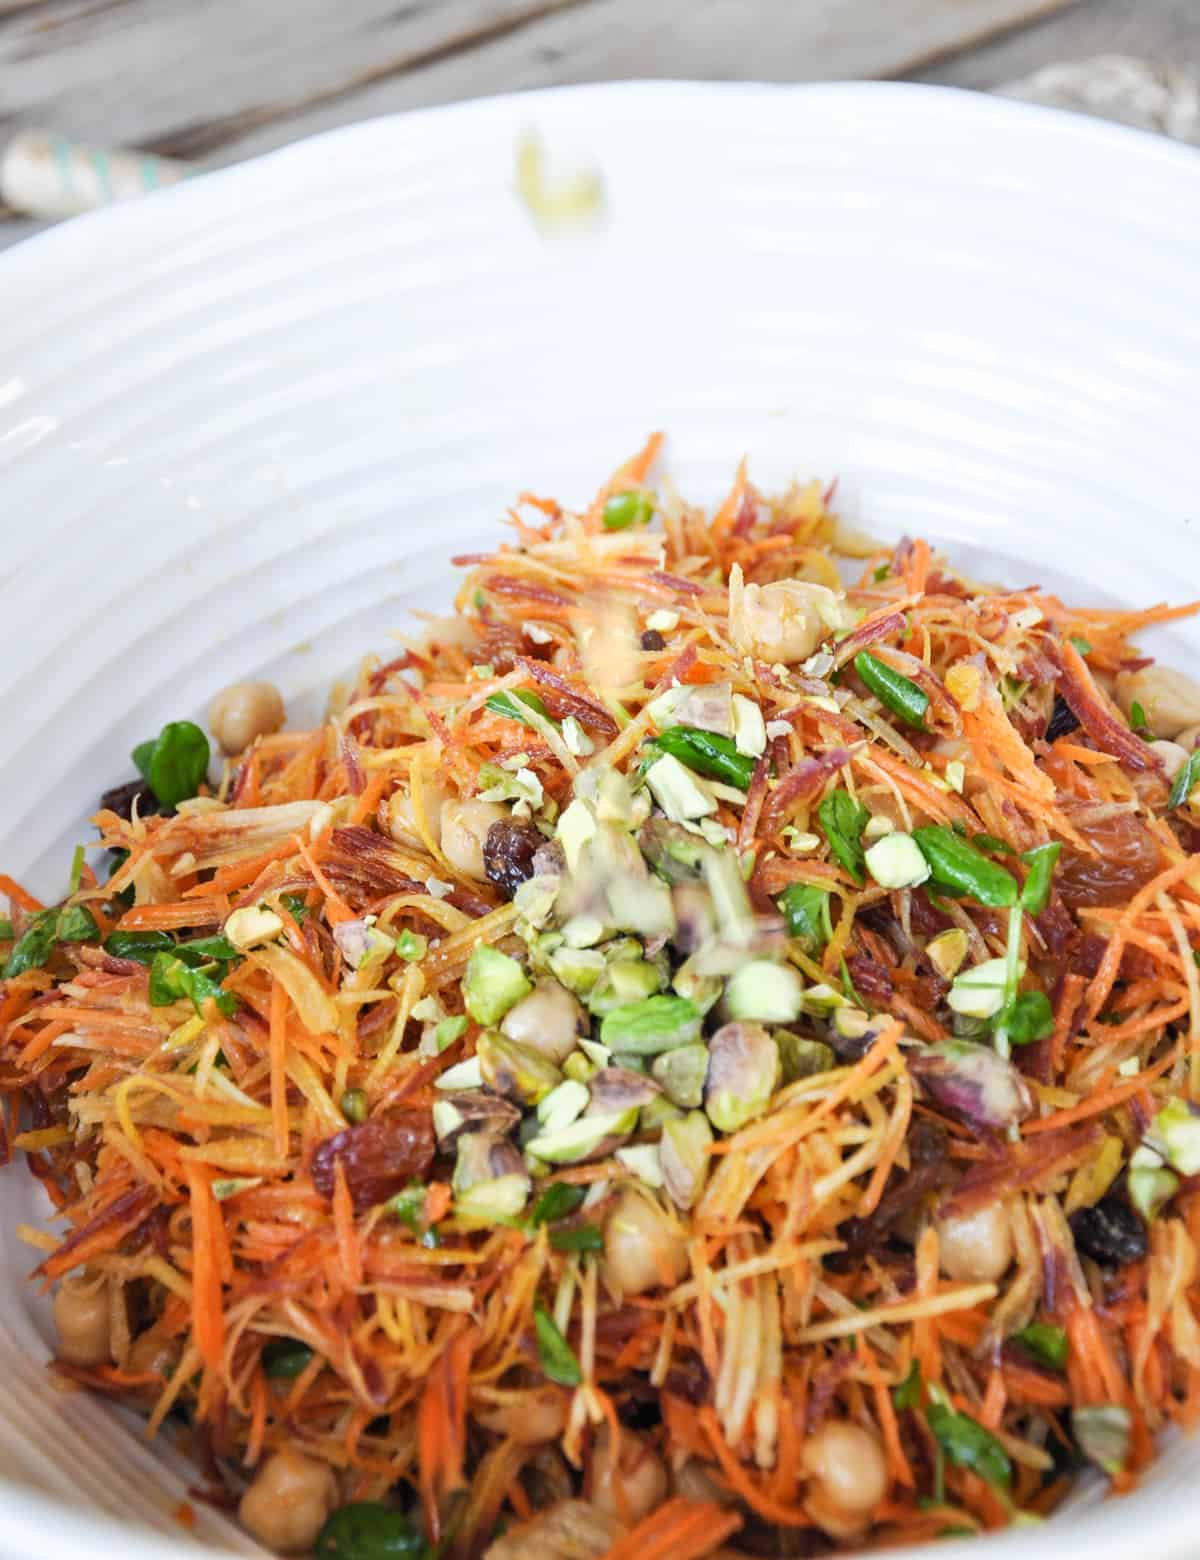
<point x="243" y="423"/>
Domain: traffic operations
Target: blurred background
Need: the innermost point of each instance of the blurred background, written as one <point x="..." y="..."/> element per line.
<point x="202" y="83"/>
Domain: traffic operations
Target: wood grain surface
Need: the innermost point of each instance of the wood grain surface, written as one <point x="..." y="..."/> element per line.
<point x="220" y="80"/>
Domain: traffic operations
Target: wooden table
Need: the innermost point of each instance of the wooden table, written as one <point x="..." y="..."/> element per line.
<point x="219" y="80"/>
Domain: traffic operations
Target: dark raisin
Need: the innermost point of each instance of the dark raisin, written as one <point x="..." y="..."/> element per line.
<point x="508" y="854"/>
<point x="1110" y="1232"/>
<point x="1062" y="720"/>
<point x="379" y="1157"/>
<point x="653" y="640"/>
<point x="121" y="798"/>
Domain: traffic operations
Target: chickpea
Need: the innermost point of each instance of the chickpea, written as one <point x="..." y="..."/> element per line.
<point x="82" y="1319"/>
<point x="1170" y="700"/>
<point x="642" y="1476"/>
<point x="287" y="1503"/>
<point x="784" y="622"/>
<point x="975" y="1248"/>
<point x="399" y="818"/>
<point x="244" y="711"/>
<point x="849" y="1473"/>
<point x="465" y="824"/>
<point x="532" y="1418"/>
<point x="643" y="1246"/>
<point x="548" y="1020"/>
<point x="153" y="1354"/>
<point x="1173" y="755"/>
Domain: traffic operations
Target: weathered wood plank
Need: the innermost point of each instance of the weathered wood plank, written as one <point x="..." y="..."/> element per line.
<point x="204" y="77"/>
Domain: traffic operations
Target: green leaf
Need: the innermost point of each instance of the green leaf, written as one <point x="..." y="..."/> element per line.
<point x="409" y="1206"/>
<point x="1046" y="1343"/>
<point x="628" y="509"/>
<point x="908" y="1393"/>
<point x="1028" y="1018"/>
<point x="556" y="1202"/>
<point x="805" y="908"/>
<point x="284" y="1359"/>
<point x="201" y="950"/>
<point x="1185" y="780"/>
<point x="1035" y="892"/>
<point x="509" y="705"/>
<point x="555" y="1353"/>
<point x="893" y="690"/>
<point x="1137" y="716"/>
<point x="1080" y="644"/>
<point x="178" y="764"/>
<point x="584" y="1237"/>
<point x="76" y="870"/>
<point x="142" y="755"/>
<point x="34" y="946"/>
<point x="6" y="929"/>
<point x="958" y="868"/>
<point x="881" y="572"/>
<point x="369" y="1530"/>
<point x="141" y="946"/>
<point x="708" y="753"/>
<point x="295" y="905"/>
<point x="411" y="946"/>
<point x="990" y="842"/>
<point x="968" y="1445"/>
<point x="75" y="923"/>
<point x="171" y="980"/>
<point x="843" y="820"/>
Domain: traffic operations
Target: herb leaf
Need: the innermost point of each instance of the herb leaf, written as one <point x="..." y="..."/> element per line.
<point x="509" y="705"/>
<point x="805" y="908"/>
<point x="908" y="1393"/>
<point x="1029" y="1017"/>
<point x="141" y="946"/>
<point x="556" y="1202"/>
<point x="843" y="820"/>
<point x="708" y="753"/>
<point x="584" y="1237"/>
<point x="69" y="923"/>
<point x="284" y="1359"/>
<point x="893" y="690"/>
<point x="179" y="762"/>
<point x="554" y="1352"/>
<point x="171" y="980"/>
<point x="1035" y="893"/>
<point x="1185" y="780"/>
<point x="1046" y="1343"/>
<point x="75" y="923"/>
<point x="958" y="868"/>
<point x="968" y="1445"/>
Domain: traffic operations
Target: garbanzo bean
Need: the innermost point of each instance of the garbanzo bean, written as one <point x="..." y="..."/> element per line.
<point x="244" y="711"/>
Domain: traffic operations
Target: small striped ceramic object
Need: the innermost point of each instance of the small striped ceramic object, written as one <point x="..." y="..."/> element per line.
<point x="46" y="175"/>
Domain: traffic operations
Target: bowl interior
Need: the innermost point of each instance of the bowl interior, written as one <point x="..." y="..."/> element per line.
<point x="245" y="424"/>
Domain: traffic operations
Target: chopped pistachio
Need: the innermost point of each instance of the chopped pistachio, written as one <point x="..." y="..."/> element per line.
<point x="643" y="1160"/>
<point x="675" y="853"/>
<point x="1175" y="1134"/>
<point x="979" y="991"/>
<point x="677" y="791"/>
<point x="481" y="1157"/>
<point x="653" y="1025"/>
<point x="623" y="982"/>
<point x="641" y="905"/>
<point x="516" y="1071"/>
<point x="493" y="1201"/>
<point x="749" y="729"/>
<point x="947" y="951"/>
<point x="802" y="1058"/>
<point x="578" y="1068"/>
<point x="683" y="1154"/>
<point x="743" y="1073"/>
<point x="575" y="739"/>
<point x="619" y="1088"/>
<point x="252" y="925"/>
<point x="760" y="989"/>
<point x="585" y="931"/>
<point x="562" y="1105"/>
<point x="1103" y="1433"/>
<point x="663" y="619"/>
<point x="701" y="990"/>
<point x="681" y="1073"/>
<point x="578" y="969"/>
<point x="653" y="1117"/>
<point x="876" y="826"/>
<point x="582" y="1138"/>
<point x="492" y="984"/>
<point x="599" y="1055"/>
<point x="576" y="826"/>
<point x="896" y="862"/>
<point x="1151" y="1184"/>
<point x="731" y="903"/>
<point x="821" y="1000"/>
<point x="463" y="1075"/>
<point x="973" y="1082"/>
<point x="956" y="775"/>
